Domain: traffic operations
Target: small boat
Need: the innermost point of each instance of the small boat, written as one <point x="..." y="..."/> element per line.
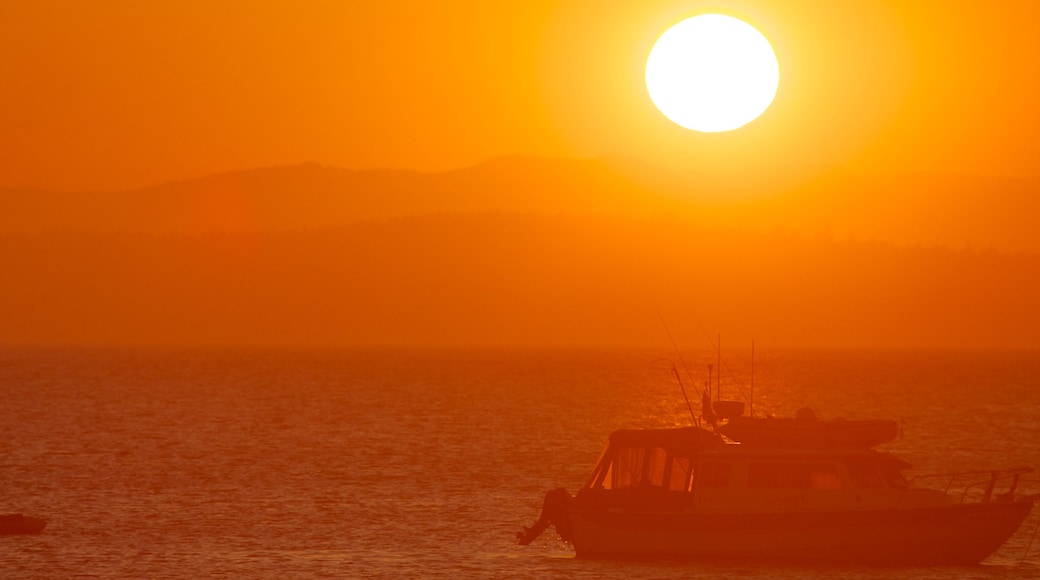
<point x="780" y="489"/>
<point x="16" y="524"/>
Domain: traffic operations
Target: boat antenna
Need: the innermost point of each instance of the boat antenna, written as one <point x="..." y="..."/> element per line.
<point x="693" y="416"/>
<point x="718" y="379"/>
<point x="751" y="402"/>
<point x="674" y="345"/>
<point x="717" y="346"/>
<point x="710" y="366"/>
<point x="675" y="371"/>
<point x="706" y="410"/>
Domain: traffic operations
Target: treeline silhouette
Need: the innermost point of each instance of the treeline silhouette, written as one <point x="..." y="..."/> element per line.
<point x="501" y="278"/>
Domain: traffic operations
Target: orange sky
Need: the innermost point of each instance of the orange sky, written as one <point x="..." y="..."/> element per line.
<point x="887" y="198"/>
<point x="118" y="94"/>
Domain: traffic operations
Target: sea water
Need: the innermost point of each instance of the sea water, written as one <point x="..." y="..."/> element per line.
<point x="424" y="463"/>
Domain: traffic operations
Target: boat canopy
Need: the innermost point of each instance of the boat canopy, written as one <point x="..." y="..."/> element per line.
<point x="809" y="432"/>
<point x="662" y="458"/>
<point x="685" y="439"/>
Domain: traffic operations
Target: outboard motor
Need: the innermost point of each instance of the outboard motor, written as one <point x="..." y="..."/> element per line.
<point x="556" y="511"/>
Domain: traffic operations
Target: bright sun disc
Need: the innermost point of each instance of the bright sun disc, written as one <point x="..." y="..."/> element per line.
<point x="712" y="73"/>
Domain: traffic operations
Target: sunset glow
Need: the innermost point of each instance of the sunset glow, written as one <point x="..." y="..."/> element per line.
<point x="810" y="173"/>
<point x="344" y="288"/>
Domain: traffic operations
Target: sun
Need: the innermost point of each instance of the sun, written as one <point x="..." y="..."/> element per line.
<point x="712" y="73"/>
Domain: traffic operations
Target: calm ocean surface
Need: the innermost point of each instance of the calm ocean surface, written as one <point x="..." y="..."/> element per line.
<point x="353" y="464"/>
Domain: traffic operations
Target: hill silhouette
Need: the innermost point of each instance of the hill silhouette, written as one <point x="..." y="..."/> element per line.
<point x="956" y="211"/>
<point x="518" y="251"/>
<point x="508" y="279"/>
<point x="312" y="196"/>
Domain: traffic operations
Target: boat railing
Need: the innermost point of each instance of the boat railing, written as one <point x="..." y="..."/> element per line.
<point x="982" y="482"/>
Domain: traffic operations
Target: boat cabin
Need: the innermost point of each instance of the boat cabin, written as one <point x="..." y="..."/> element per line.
<point x="677" y="469"/>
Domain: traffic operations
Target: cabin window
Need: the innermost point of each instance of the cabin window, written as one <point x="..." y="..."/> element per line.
<point x="824" y="476"/>
<point x="794" y="476"/>
<point x="657" y="464"/>
<point x="627" y="468"/>
<point x="769" y="475"/>
<point x="894" y="477"/>
<point x="864" y="475"/>
<point x="648" y="467"/>
<point x="713" y="474"/>
<point x="681" y="477"/>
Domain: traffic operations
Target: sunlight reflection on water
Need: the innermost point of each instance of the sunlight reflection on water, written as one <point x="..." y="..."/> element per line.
<point x="423" y="464"/>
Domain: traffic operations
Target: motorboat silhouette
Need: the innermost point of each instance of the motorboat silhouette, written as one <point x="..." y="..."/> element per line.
<point x="16" y="524"/>
<point x="780" y="489"/>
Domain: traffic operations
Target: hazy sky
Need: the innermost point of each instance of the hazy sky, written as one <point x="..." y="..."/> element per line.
<point x="116" y="94"/>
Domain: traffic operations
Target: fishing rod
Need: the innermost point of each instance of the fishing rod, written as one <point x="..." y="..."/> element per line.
<point x="675" y="371"/>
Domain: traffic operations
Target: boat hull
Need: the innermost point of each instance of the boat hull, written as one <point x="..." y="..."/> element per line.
<point x="955" y="534"/>
<point x="17" y="524"/>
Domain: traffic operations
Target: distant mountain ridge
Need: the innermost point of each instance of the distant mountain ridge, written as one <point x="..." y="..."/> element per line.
<point x="519" y="252"/>
<point x="976" y="212"/>
<point x="312" y="196"/>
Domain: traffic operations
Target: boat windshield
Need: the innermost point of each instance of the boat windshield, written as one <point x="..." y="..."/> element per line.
<point x="651" y="458"/>
<point x="636" y="467"/>
<point x="894" y="477"/>
<point x="864" y="474"/>
<point x="892" y="470"/>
